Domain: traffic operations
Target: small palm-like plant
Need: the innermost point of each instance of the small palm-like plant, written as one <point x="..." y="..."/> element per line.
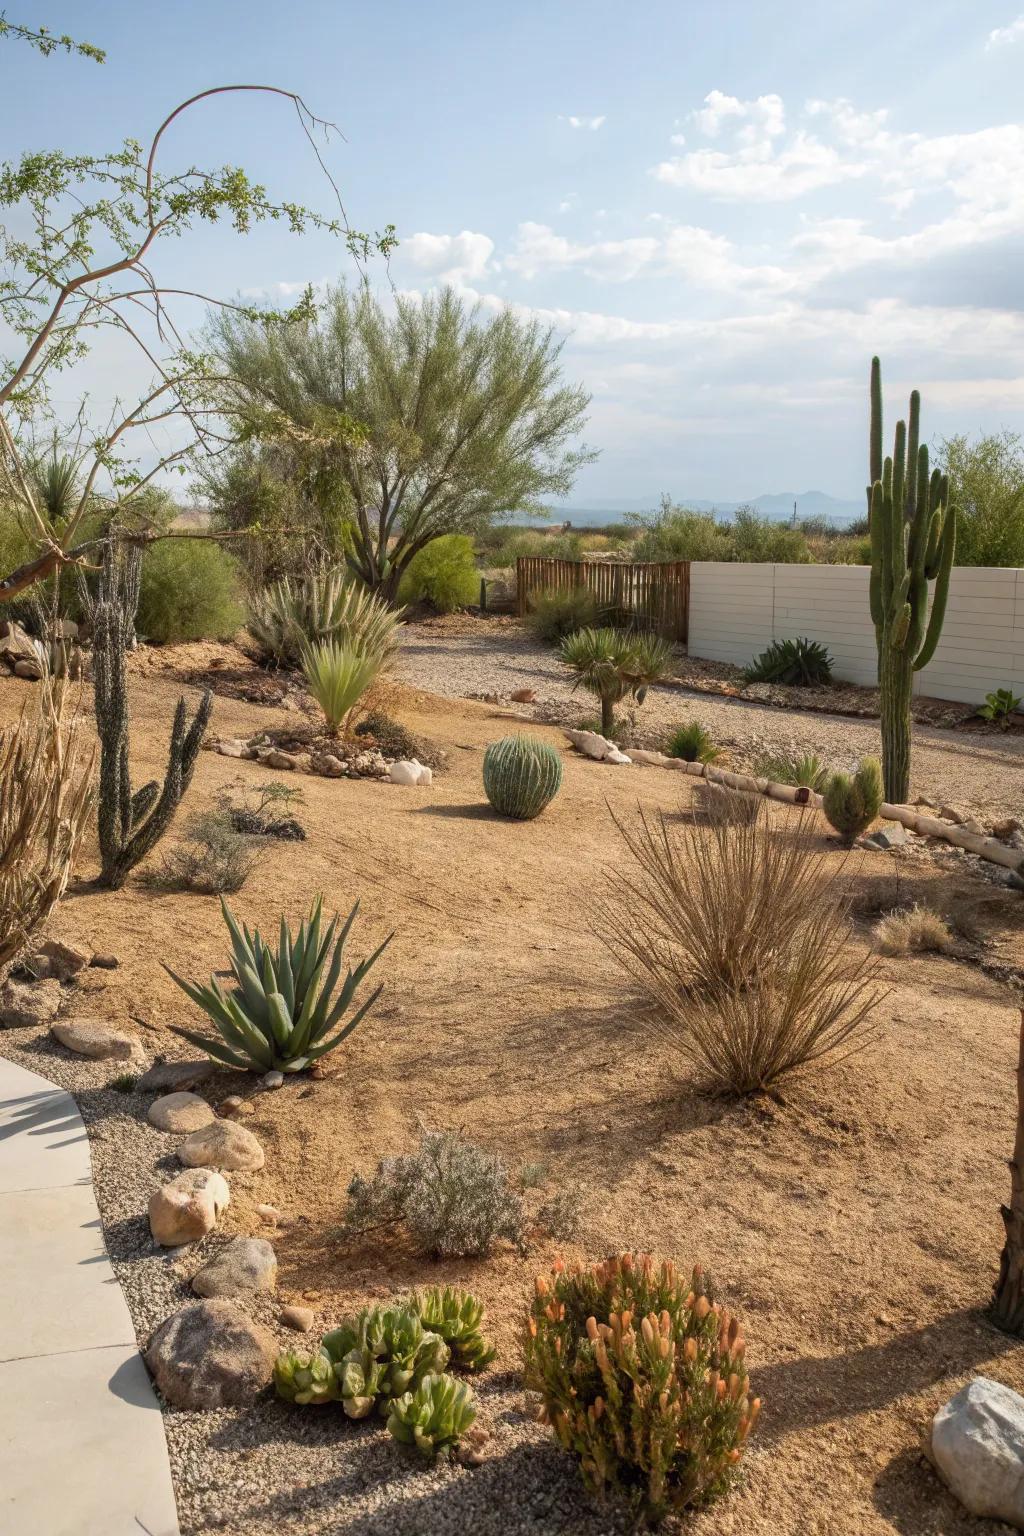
<point x="282" y="1013"/>
<point x="337" y="676"/>
<point x="614" y="663"/>
<point x="805" y="770"/>
<point x="693" y="744"/>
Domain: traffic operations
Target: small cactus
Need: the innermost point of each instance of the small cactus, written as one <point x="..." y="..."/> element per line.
<point x="521" y="776"/>
<point x="456" y="1316"/>
<point x="435" y="1416"/>
<point x="851" y="804"/>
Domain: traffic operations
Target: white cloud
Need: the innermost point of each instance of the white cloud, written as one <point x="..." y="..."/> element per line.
<point x="763" y="118"/>
<point x="590" y="123"/>
<point x="999" y="37"/>
<point x="465" y="257"/>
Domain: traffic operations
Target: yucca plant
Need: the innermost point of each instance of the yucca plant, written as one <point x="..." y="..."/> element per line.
<point x="290" y="615"/>
<point x="614" y="663"/>
<point x="806" y="771"/>
<point x="796" y="663"/>
<point x="282" y="1010"/>
<point x="434" y="1417"/>
<point x="337" y="676"/>
<point x="693" y="744"/>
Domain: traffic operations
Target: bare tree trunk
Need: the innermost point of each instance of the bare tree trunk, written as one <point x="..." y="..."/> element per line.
<point x="1008" y="1299"/>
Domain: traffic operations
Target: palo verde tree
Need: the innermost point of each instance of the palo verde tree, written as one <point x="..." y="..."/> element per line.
<point x="77" y="260"/>
<point x="426" y="419"/>
<point x="913" y="540"/>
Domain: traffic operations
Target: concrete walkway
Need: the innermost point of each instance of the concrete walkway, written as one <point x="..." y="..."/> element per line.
<point x="82" y="1448"/>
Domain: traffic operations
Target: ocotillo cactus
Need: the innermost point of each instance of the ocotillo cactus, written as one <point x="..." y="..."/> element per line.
<point x="131" y="824"/>
<point x="913" y="538"/>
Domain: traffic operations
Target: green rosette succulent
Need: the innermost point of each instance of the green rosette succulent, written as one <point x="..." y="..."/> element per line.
<point x="360" y="1381"/>
<point x="305" y="1378"/>
<point x="434" y="1416"/>
<point x="456" y="1315"/>
<point x="379" y="1354"/>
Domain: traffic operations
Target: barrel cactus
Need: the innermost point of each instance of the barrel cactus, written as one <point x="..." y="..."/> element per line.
<point x="521" y="776"/>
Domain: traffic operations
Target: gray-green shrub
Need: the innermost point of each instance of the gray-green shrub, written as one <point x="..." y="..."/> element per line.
<point x="189" y="590"/>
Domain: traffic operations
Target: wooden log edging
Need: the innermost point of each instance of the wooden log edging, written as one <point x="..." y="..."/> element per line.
<point x="909" y="816"/>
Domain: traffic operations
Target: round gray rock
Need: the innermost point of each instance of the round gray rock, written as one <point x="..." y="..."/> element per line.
<point x="180" y="1112"/>
<point x="977" y="1445"/>
<point x="222" y="1145"/>
<point x="175" y="1076"/>
<point x="246" y="1264"/>
<point x="93" y="1038"/>
<point x="210" y="1355"/>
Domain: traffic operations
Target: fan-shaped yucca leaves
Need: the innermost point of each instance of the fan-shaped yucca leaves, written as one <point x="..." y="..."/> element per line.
<point x="289" y="615"/>
<point x="286" y="1006"/>
<point x="338" y="675"/>
<point x="615" y="662"/>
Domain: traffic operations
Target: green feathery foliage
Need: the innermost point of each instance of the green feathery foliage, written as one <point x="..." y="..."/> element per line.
<point x="554" y="614"/>
<point x="282" y="1009"/>
<point x="643" y="1379"/>
<point x="913" y="542"/>
<point x="852" y="803"/>
<point x="521" y="776"/>
<point x="443" y="574"/>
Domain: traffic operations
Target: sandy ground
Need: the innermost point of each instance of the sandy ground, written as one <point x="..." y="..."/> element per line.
<point x="853" y="1220"/>
<point x="467" y="657"/>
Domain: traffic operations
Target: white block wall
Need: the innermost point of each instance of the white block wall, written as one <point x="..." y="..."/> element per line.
<point x="738" y="609"/>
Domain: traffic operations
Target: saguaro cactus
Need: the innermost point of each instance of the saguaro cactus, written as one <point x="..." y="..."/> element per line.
<point x="913" y="538"/>
<point x="130" y="824"/>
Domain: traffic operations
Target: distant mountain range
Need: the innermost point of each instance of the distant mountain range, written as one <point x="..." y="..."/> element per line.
<point x="776" y="505"/>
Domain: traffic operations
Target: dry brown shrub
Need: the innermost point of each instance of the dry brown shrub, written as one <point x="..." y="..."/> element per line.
<point x="46" y="800"/>
<point x="739" y="935"/>
<point x="916" y="929"/>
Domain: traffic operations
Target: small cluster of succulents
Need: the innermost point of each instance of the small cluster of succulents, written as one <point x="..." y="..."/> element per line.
<point x="642" y="1377"/>
<point x="392" y="1360"/>
<point x="521" y="776"/>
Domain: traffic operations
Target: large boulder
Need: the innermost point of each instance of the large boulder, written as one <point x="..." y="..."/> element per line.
<point x="210" y="1355"/>
<point x="186" y="1208"/>
<point x="175" y="1076"/>
<point x="246" y="1264"/>
<point x="24" y="1004"/>
<point x="100" y="1041"/>
<point x="61" y="962"/>
<point x="183" y="1112"/>
<point x="977" y="1445"/>
<point x="224" y="1144"/>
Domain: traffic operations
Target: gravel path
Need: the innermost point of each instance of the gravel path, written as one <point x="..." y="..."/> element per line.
<point x="979" y="770"/>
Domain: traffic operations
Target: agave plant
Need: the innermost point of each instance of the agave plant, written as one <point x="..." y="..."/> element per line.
<point x="291" y="615"/>
<point x="282" y="1013"/>
<point x="797" y="663"/>
<point x="338" y="675"/>
<point x="435" y="1416"/>
<point x="613" y="663"/>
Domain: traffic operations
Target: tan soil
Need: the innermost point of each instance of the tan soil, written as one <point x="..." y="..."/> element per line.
<point x="853" y="1220"/>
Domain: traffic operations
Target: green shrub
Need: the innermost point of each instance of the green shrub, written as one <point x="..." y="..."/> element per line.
<point x="211" y="859"/>
<point x="806" y="771"/>
<point x="796" y="663"/>
<point x="189" y="591"/>
<point x="561" y="611"/>
<point x="999" y="706"/>
<point x="443" y="574"/>
<point x="761" y="539"/>
<point x="677" y="533"/>
<point x="851" y="804"/>
<point x="521" y="776"/>
<point x="642" y="1377"/>
<point x="454" y="1198"/>
<point x="393" y="739"/>
<point x="294" y="613"/>
<point x="282" y="1009"/>
<point x="693" y="743"/>
<point x="434" y="1416"/>
<point x="337" y="675"/>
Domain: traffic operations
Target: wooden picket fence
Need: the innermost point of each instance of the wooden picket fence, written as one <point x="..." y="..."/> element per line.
<point x="653" y="595"/>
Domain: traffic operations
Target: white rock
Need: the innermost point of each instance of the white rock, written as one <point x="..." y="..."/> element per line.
<point x="180" y="1112"/>
<point x="613" y="755"/>
<point x="224" y="1144"/>
<point x="426" y="775"/>
<point x="590" y="744"/>
<point x="93" y="1038"/>
<point x="409" y="771"/>
<point x="185" y="1209"/>
<point x="977" y="1445"/>
<point x="272" y="1079"/>
<point x="268" y="1213"/>
<point x="299" y="1318"/>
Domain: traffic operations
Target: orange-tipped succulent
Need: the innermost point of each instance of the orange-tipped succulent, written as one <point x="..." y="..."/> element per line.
<point x="642" y="1376"/>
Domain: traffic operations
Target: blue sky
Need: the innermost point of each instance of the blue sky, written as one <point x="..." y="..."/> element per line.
<point x="725" y="208"/>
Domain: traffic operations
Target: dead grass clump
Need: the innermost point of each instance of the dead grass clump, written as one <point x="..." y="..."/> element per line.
<point x="915" y="930"/>
<point x="46" y="801"/>
<point x="715" y="803"/>
<point x="739" y="935"/>
<point x="211" y="860"/>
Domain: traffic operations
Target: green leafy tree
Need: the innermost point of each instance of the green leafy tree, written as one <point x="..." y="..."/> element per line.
<point x="78" y="252"/>
<point x="429" y="419"/>
<point x="986" y="487"/>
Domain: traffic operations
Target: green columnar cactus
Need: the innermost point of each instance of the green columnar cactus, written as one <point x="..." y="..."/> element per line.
<point x="521" y="776"/>
<point x="456" y="1315"/>
<point x="435" y="1416"/>
<point x="913" y="540"/>
<point x="851" y="804"/>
